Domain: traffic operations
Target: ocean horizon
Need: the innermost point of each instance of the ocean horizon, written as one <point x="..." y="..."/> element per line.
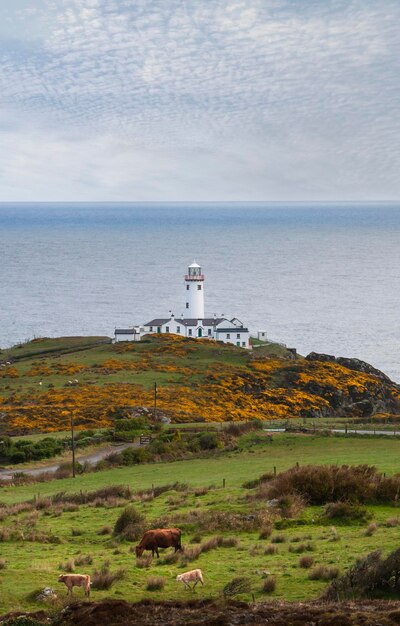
<point x="316" y="276"/>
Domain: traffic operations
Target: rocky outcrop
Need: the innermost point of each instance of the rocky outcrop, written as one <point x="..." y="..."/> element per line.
<point x="352" y="364"/>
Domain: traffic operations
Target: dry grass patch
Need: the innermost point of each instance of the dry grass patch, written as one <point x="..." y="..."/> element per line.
<point x="306" y="561"/>
<point x="371" y="530"/>
<point x="155" y="583"/>
<point x="104" y="578"/>
<point x="269" y="584"/>
<point x="143" y="562"/>
<point x="278" y="539"/>
<point x="324" y="572"/>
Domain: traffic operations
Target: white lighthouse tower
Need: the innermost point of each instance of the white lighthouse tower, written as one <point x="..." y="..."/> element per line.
<point x="194" y="292"/>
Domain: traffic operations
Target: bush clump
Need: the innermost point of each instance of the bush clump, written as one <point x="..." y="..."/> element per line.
<point x="155" y="583"/>
<point x="368" y="578"/>
<point x="130" y="524"/>
<point x="306" y="561"/>
<point x="104" y="578"/>
<point x="346" y="512"/>
<point x="324" y="572"/>
<point x="144" y="562"/>
<point x="237" y="586"/>
<point x="269" y="584"/>
<point x="320" y="484"/>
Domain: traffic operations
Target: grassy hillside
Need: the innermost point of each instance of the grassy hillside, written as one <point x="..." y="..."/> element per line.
<point x="198" y="380"/>
<point x="54" y="531"/>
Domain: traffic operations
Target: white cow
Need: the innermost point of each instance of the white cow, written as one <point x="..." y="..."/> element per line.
<point x="195" y="575"/>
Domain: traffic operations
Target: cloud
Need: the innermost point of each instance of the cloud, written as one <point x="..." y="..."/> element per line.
<point x="243" y="99"/>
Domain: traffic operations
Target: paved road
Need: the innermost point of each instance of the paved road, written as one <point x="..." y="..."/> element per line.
<point x="350" y="431"/>
<point x="91" y="459"/>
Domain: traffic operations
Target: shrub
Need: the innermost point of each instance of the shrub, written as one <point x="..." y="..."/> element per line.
<point x="83" y="560"/>
<point x="211" y="544"/>
<point x="104" y="578"/>
<point x="190" y="554"/>
<point x="320" y="484"/>
<point x="229" y="542"/>
<point x="170" y="558"/>
<point x="105" y="530"/>
<point x="271" y="549"/>
<point x="3" y="564"/>
<point x="372" y="528"/>
<point x="68" y="566"/>
<point x="155" y="583"/>
<point x="130" y="524"/>
<point x="301" y="547"/>
<point x="144" y="561"/>
<point x="196" y="538"/>
<point x="306" y="561"/>
<point x="391" y="522"/>
<point x="237" y="586"/>
<point x="346" y="512"/>
<point x="278" y="539"/>
<point x="369" y="576"/>
<point x="269" y="584"/>
<point x="290" y="505"/>
<point x="323" y="572"/>
<point x="76" y="532"/>
<point x="265" y="531"/>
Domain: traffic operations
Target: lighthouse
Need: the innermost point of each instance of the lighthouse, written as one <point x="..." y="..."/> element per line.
<point x="192" y="323"/>
<point x="194" y="292"/>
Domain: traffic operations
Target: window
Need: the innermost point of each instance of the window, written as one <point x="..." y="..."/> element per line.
<point x="243" y="344"/>
<point x="187" y="287"/>
<point x="178" y="329"/>
<point x="167" y="329"/>
<point x="198" y="287"/>
<point x="187" y="305"/>
<point x="238" y="336"/>
<point x="190" y="332"/>
<point x="228" y="336"/>
<point x="151" y="329"/>
<point x="209" y="332"/>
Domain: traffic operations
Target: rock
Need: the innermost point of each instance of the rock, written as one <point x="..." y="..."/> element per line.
<point x="351" y="364"/>
<point x="364" y="408"/>
<point x="46" y="594"/>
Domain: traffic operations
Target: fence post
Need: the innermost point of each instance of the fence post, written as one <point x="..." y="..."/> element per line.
<point x="223" y="483"/>
<point x="274" y="470"/>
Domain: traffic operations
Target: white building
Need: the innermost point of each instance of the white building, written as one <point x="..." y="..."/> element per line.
<point x="195" y="325"/>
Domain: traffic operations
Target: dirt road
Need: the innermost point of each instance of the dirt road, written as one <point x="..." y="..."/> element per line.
<point x="91" y="459"/>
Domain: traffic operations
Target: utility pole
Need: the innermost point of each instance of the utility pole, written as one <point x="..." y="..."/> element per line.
<point x="73" y="442"/>
<point x="155" y="401"/>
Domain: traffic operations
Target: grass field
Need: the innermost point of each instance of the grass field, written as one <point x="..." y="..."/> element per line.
<point x="30" y="565"/>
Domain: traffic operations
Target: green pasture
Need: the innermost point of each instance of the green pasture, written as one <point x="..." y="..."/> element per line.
<point x="257" y="457"/>
<point x="31" y="565"/>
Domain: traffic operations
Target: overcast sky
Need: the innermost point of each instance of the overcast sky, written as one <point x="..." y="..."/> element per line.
<point x="199" y="100"/>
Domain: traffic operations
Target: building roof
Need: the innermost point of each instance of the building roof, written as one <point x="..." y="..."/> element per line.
<point x="125" y="331"/>
<point x="233" y="330"/>
<point x="187" y="321"/>
<point x="158" y="321"/>
<point x="206" y="321"/>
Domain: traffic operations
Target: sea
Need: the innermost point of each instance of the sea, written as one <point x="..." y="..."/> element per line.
<point x="314" y="276"/>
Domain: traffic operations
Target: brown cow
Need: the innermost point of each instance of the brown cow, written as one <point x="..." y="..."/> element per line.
<point x="159" y="538"/>
<point x="76" y="580"/>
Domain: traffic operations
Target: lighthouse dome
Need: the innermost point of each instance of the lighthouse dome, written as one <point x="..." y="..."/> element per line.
<point x="194" y="264"/>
